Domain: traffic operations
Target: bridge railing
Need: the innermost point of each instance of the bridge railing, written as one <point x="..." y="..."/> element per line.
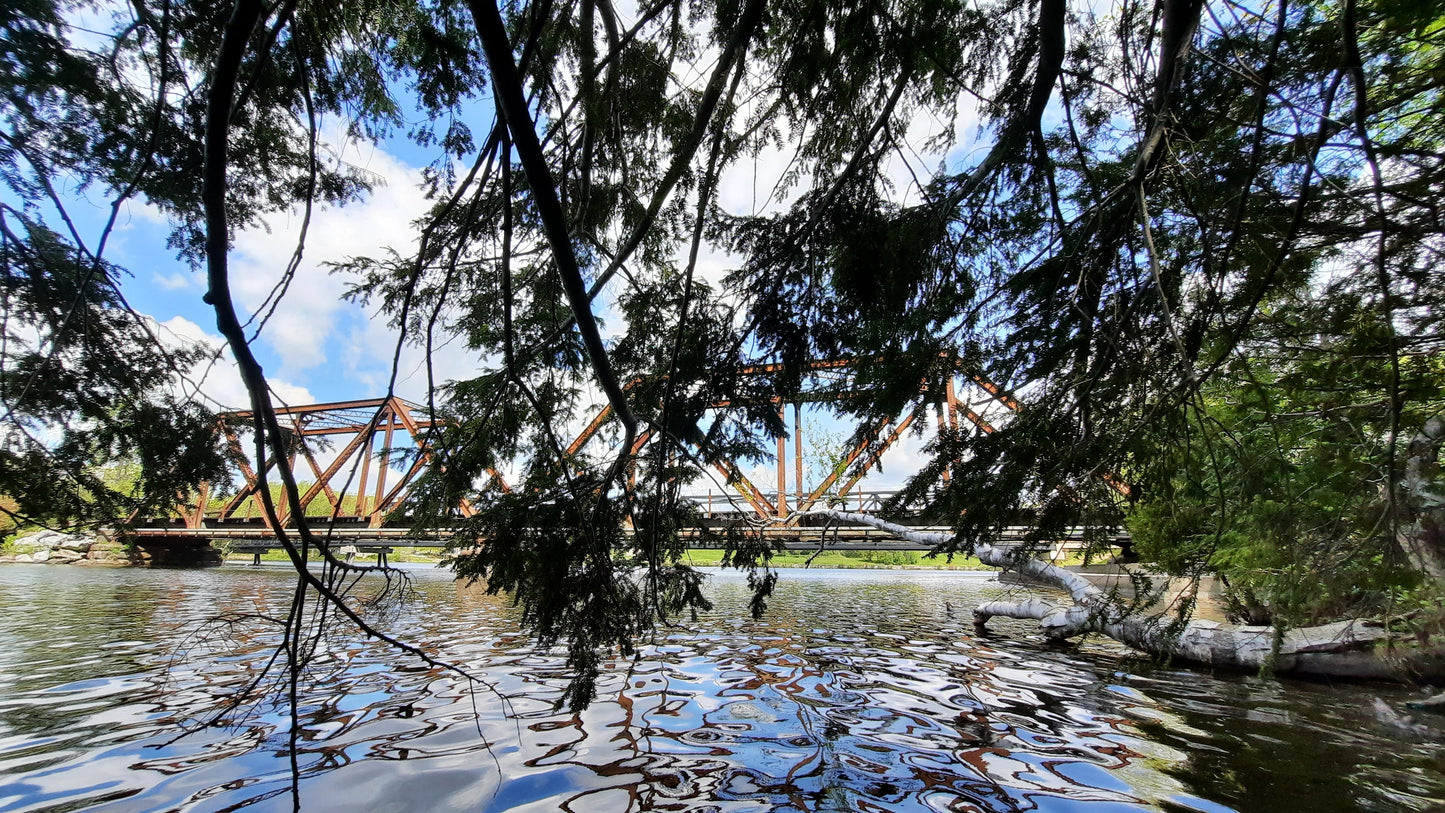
<point x="720" y="505"/>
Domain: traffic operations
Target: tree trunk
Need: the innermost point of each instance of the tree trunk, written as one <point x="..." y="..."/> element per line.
<point x="1422" y="539"/>
<point x="1351" y="649"/>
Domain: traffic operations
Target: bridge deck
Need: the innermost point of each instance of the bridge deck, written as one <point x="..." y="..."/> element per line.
<point x="250" y="539"/>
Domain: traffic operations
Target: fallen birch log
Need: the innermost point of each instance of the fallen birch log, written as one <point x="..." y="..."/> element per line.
<point x="1353" y="649"/>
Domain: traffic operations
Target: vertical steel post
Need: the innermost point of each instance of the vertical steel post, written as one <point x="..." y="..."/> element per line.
<point x="952" y="396"/>
<point x="383" y="466"/>
<point x="798" y="449"/>
<point x="198" y="518"/>
<point x="952" y="405"/>
<point x="942" y="408"/>
<point x="365" y="470"/>
<point x="782" y="466"/>
<point x="283" y="511"/>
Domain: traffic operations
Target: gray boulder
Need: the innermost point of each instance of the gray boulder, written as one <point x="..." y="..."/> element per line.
<point x="75" y="543"/>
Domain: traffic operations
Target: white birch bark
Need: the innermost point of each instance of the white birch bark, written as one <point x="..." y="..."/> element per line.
<point x="1344" y="648"/>
<point x="1423" y="538"/>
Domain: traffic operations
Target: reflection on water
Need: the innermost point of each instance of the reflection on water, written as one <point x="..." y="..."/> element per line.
<point x="859" y="691"/>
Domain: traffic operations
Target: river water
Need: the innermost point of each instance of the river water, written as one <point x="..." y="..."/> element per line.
<point x="860" y="690"/>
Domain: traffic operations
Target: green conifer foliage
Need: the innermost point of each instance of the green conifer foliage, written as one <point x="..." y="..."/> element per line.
<point x="1200" y="245"/>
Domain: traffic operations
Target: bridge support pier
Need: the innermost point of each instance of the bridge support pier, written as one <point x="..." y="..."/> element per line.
<point x="256" y="558"/>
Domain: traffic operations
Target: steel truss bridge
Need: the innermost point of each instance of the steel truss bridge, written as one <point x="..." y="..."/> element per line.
<point x="374" y="450"/>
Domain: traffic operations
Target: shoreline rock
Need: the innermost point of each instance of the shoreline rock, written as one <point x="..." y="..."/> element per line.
<point x="101" y="550"/>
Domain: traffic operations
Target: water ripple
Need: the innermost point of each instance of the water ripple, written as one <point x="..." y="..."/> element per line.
<point x="859" y="691"/>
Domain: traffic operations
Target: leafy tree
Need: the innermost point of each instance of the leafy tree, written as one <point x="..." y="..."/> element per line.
<point x="1192" y="220"/>
<point x="85" y="381"/>
<point x="1214" y="177"/>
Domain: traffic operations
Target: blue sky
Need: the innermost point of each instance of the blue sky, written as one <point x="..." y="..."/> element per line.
<point x="318" y="347"/>
<point x="335" y="350"/>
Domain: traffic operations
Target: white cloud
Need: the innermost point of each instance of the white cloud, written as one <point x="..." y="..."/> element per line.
<point x="309" y="314"/>
<point x="179" y="281"/>
<point x="714" y="263"/>
<point x="903" y="459"/>
<point x="139" y="211"/>
<point x="219" y="380"/>
<point x="755" y="186"/>
<point x="372" y="342"/>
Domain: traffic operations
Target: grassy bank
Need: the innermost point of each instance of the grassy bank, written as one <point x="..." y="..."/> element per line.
<point x="397" y="556"/>
<point x="851" y="559"/>
<point x="711" y="558"/>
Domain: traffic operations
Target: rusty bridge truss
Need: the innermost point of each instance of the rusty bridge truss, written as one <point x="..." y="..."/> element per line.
<point x="362" y="440"/>
<point x="355" y="461"/>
